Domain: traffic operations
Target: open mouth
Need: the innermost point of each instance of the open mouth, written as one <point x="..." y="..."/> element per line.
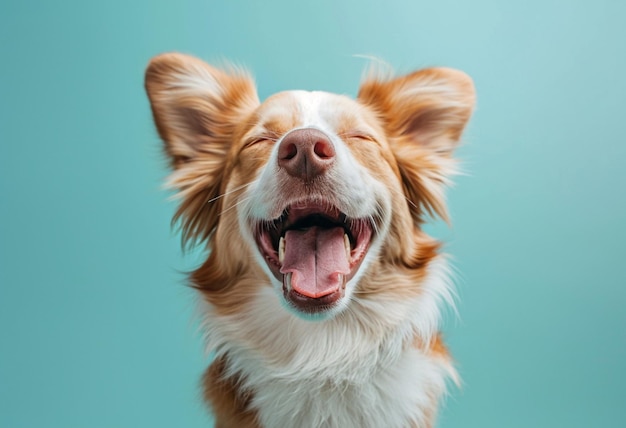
<point x="314" y="250"/>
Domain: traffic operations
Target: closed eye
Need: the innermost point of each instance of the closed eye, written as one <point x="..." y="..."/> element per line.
<point x="357" y="135"/>
<point x="259" y="139"/>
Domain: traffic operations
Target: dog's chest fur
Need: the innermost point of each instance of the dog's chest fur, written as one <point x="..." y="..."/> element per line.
<point x="396" y="393"/>
<point x="353" y="371"/>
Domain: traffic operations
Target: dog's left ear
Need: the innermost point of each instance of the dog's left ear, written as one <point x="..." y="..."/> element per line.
<point x="196" y="106"/>
<point x="424" y="114"/>
<point x="196" y="109"/>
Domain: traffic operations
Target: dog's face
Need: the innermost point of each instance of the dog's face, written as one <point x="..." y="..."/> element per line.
<point x="317" y="210"/>
<point x="307" y="192"/>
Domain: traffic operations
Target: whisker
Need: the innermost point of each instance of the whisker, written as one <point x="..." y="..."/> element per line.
<point x="235" y="205"/>
<point x="411" y="202"/>
<point x="236" y="189"/>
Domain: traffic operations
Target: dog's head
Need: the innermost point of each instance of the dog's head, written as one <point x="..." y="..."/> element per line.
<point x="307" y="192"/>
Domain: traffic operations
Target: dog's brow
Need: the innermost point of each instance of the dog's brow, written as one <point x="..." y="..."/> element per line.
<point x="278" y="126"/>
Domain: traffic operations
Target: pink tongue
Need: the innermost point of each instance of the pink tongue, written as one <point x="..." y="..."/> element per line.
<point x="317" y="260"/>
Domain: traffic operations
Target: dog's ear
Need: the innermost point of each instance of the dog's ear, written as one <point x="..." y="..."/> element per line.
<point x="196" y="108"/>
<point x="424" y="114"/>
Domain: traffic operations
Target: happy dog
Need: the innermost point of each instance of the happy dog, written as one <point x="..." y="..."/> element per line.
<point x="321" y="294"/>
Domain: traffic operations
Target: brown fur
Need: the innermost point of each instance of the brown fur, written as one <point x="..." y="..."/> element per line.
<point x="227" y="399"/>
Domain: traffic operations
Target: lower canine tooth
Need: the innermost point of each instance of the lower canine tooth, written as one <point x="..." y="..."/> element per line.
<point x="281" y="250"/>
<point x="346" y="244"/>
<point x="287" y="281"/>
<point x="342" y="279"/>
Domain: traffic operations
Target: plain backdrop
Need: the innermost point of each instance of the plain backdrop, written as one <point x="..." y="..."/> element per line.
<point x="96" y="324"/>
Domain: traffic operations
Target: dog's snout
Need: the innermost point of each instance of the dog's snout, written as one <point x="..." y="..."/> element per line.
<point x="306" y="153"/>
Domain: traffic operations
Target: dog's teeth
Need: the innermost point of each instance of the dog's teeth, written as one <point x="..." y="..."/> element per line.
<point x="346" y="244"/>
<point x="281" y="249"/>
<point x="287" y="281"/>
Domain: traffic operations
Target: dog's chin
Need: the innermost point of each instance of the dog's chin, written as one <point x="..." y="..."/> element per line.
<point x="314" y="250"/>
<point x="313" y="309"/>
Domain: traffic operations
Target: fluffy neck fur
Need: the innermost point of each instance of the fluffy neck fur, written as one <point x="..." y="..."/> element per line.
<point x="374" y="365"/>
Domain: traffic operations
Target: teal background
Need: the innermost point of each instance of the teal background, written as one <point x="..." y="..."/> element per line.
<point x="95" y="324"/>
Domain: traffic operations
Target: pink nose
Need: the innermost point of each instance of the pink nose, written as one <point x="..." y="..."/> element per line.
<point x="306" y="153"/>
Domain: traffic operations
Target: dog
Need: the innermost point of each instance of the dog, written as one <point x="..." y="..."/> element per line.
<point x="320" y="295"/>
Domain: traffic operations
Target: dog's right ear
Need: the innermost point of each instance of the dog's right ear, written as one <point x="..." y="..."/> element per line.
<point x="196" y="108"/>
<point x="424" y="114"/>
